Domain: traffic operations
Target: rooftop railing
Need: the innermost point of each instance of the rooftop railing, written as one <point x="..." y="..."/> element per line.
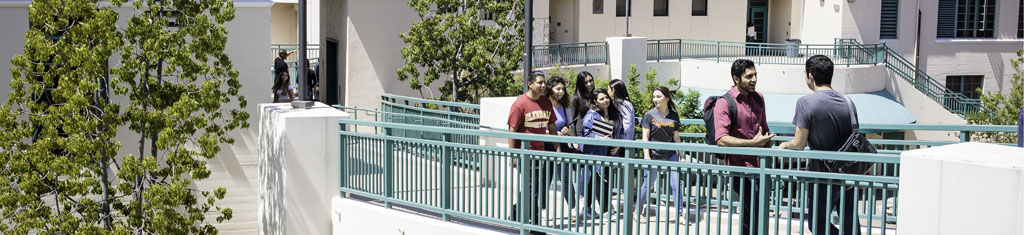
<point x="841" y="52"/>
<point x="707" y="198"/>
<point x="577" y="53"/>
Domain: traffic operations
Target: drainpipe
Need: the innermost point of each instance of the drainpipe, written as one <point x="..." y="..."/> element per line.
<point x="301" y="69"/>
<point x="528" y="46"/>
<point x="628" y="5"/>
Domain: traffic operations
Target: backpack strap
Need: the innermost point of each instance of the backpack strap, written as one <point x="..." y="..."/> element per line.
<point x="732" y="106"/>
<point x="853" y="115"/>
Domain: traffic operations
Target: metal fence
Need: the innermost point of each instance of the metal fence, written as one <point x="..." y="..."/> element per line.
<point x="578" y="53"/>
<point x="842" y="52"/>
<point x="953" y="101"/>
<point x="709" y="198"/>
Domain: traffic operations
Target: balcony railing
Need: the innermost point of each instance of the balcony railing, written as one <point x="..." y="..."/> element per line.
<point x="841" y="52"/>
<point x="708" y="197"/>
<point x="577" y="53"/>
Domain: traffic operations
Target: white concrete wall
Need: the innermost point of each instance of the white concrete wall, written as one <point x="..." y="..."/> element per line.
<point x="333" y="26"/>
<point x="375" y="219"/>
<point x="726" y="20"/>
<point x="14" y="23"/>
<point x="624" y="52"/>
<point x="938" y="57"/>
<point x="782" y="79"/>
<point x="298" y="168"/>
<point x="563" y="21"/>
<point x="283" y="23"/>
<point x="779" y="20"/>
<point x="820" y="19"/>
<point x="373" y="51"/>
<point x="968" y="188"/>
<point x="926" y="110"/>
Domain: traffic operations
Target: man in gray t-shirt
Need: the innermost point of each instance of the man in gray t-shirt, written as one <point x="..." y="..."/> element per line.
<point x="823" y="121"/>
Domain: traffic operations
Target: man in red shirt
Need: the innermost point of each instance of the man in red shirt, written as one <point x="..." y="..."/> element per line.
<point x="750" y="129"/>
<point x="533" y="113"/>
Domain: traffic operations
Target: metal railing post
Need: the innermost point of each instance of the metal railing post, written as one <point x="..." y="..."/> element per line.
<point x="524" y="179"/>
<point x="718" y="52"/>
<point x="965" y="136"/>
<point x="586" y="60"/>
<point x="342" y="149"/>
<point x="627" y="185"/>
<point x="389" y="166"/>
<point x="762" y="199"/>
<point x="446" y="178"/>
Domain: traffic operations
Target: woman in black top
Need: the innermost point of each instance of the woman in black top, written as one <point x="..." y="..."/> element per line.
<point x="581" y="102"/>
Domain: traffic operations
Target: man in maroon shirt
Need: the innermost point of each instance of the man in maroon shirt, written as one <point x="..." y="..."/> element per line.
<point x="750" y="129"/>
<point x="533" y="113"/>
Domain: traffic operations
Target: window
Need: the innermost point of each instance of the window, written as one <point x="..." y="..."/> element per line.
<point x="966" y="19"/>
<point x="965" y="84"/>
<point x="890" y="19"/>
<point x="620" y="8"/>
<point x="660" y="7"/>
<point x="700" y="7"/>
<point x="598" y="7"/>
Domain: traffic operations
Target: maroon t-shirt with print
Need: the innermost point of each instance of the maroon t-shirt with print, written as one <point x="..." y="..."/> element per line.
<point x="531" y="116"/>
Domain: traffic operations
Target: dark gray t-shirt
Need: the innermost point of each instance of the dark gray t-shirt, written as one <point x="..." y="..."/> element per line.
<point x="662" y="129"/>
<point x="826" y="117"/>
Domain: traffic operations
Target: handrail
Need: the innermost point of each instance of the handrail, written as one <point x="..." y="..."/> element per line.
<point x="761" y="53"/>
<point x="426" y="101"/>
<point x="821" y="155"/>
<point x="954" y="102"/>
<point x="370" y="167"/>
<point x="895" y="127"/>
<point x="574" y="53"/>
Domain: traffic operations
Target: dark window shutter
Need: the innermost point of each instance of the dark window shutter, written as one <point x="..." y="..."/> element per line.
<point x="890" y="19"/>
<point x="946" y="27"/>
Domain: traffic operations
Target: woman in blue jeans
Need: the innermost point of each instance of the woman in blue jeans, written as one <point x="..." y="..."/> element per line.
<point x="660" y="124"/>
<point x="593" y="181"/>
<point x="556" y="92"/>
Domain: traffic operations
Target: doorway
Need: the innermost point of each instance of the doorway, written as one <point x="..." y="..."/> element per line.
<point x="331" y="88"/>
<point x="757" y="13"/>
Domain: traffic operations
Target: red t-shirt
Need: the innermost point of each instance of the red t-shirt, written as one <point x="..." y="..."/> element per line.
<point x="531" y="116"/>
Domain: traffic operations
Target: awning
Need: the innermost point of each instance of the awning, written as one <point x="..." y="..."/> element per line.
<point x="872" y="108"/>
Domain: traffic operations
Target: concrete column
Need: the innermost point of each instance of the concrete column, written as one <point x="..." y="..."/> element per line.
<point x="968" y="188"/>
<point x="298" y="168"/>
<point x="626" y="51"/>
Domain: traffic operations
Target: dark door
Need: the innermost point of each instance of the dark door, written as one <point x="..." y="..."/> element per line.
<point x="332" y="90"/>
<point x="759" y="16"/>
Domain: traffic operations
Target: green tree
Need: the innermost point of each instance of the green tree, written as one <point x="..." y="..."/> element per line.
<point x="452" y="42"/>
<point x="1000" y="108"/>
<point x="174" y="88"/>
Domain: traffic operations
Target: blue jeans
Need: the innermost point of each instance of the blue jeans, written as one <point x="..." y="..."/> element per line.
<point x="653" y="176"/>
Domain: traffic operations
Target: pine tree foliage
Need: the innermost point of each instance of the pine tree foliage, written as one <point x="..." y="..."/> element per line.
<point x="163" y="77"/>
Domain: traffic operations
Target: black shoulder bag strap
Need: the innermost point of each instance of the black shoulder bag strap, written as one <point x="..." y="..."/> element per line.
<point x="853" y="116"/>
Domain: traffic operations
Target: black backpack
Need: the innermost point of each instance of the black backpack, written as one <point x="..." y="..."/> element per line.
<point x="856" y="142"/>
<point x="709" y="114"/>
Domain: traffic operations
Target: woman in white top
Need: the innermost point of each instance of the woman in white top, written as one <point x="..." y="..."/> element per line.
<point x="282" y="92"/>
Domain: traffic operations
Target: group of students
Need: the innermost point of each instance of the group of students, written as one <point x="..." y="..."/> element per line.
<point x="822" y="122"/>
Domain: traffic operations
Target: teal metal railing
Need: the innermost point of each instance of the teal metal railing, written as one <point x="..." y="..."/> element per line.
<point x="386" y="167"/>
<point x="762" y="53"/>
<point x="312" y="51"/>
<point x="955" y="102"/>
<point x="439" y="110"/>
<point x="884" y="145"/>
<point x="577" y="53"/>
